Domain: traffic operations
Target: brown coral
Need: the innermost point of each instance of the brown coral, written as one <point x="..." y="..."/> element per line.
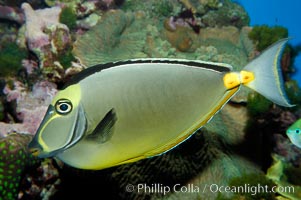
<point x="182" y="38"/>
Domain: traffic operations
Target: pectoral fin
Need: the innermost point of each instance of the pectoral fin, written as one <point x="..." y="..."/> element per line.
<point x="104" y="130"/>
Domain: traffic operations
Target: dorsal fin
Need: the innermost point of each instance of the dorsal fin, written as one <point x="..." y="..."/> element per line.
<point x="219" y="67"/>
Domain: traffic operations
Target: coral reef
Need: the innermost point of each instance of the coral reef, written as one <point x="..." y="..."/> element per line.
<point x="257" y="104"/>
<point x="229" y="14"/>
<point x="11" y="57"/>
<point x="163" y="8"/>
<point x="181" y="38"/>
<point x="1" y="111"/>
<point x="117" y="39"/>
<point x="47" y="38"/>
<point x="156" y="10"/>
<point x="13" y="161"/>
<point x="38" y="55"/>
<point x="13" y="14"/>
<point x="281" y="173"/>
<point x="293" y="92"/>
<point x="30" y="106"/>
<point x="68" y="17"/>
<point x="264" y="35"/>
<point x="124" y="42"/>
<point x="211" y="3"/>
<point x="41" y="183"/>
<point x="287" y="151"/>
<point x="252" y="180"/>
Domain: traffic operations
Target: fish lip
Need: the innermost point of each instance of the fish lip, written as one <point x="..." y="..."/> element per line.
<point x="48" y="154"/>
<point x="34" y="151"/>
<point x="37" y="151"/>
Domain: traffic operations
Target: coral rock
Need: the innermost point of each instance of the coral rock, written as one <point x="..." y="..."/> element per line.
<point x="229" y="33"/>
<point x="182" y="38"/>
<point x="211" y="3"/>
<point x="230" y="14"/>
<point x="47" y="38"/>
<point x="31" y="106"/>
<point x="115" y="37"/>
<point x="14" y="158"/>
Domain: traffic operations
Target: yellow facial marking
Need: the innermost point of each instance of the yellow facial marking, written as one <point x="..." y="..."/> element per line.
<point x="231" y="80"/>
<point x="246" y="77"/>
<point x="40" y="139"/>
<point x="72" y="94"/>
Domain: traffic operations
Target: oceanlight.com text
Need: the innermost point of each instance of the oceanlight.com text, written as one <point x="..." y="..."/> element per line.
<point x="158" y="188"/>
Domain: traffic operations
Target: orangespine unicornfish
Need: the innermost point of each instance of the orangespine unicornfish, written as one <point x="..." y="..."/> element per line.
<point x="294" y="133"/>
<point x="121" y="112"/>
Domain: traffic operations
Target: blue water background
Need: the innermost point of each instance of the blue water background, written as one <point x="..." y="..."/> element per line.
<point x="286" y="13"/>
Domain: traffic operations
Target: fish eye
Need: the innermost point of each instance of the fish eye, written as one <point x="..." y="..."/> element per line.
<point x="63" y="106"/>
<point x="298" y="131"/>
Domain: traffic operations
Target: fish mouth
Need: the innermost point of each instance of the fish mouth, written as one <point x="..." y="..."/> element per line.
<point x="37" y="151"/>
<point x="34" y="151"/>
<point x="34" y="147"/>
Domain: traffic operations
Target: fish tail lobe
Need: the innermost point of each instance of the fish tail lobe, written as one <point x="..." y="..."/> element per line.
<point x="266" y="76"/>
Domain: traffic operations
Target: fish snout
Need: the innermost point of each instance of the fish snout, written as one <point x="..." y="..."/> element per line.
<point x="34" y="148"/>
<point x="35" y="151"/>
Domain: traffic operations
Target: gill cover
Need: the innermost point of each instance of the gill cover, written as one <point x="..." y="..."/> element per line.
<point x="63" y="125"/>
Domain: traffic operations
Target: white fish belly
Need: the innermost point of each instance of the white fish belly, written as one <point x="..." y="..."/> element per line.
<point x="155" y="104"/>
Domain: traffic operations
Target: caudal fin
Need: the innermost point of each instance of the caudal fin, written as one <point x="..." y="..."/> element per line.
<point x="267" y="73"/>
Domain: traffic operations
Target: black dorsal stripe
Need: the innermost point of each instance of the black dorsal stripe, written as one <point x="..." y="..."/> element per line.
<point x="219" y="67"/>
